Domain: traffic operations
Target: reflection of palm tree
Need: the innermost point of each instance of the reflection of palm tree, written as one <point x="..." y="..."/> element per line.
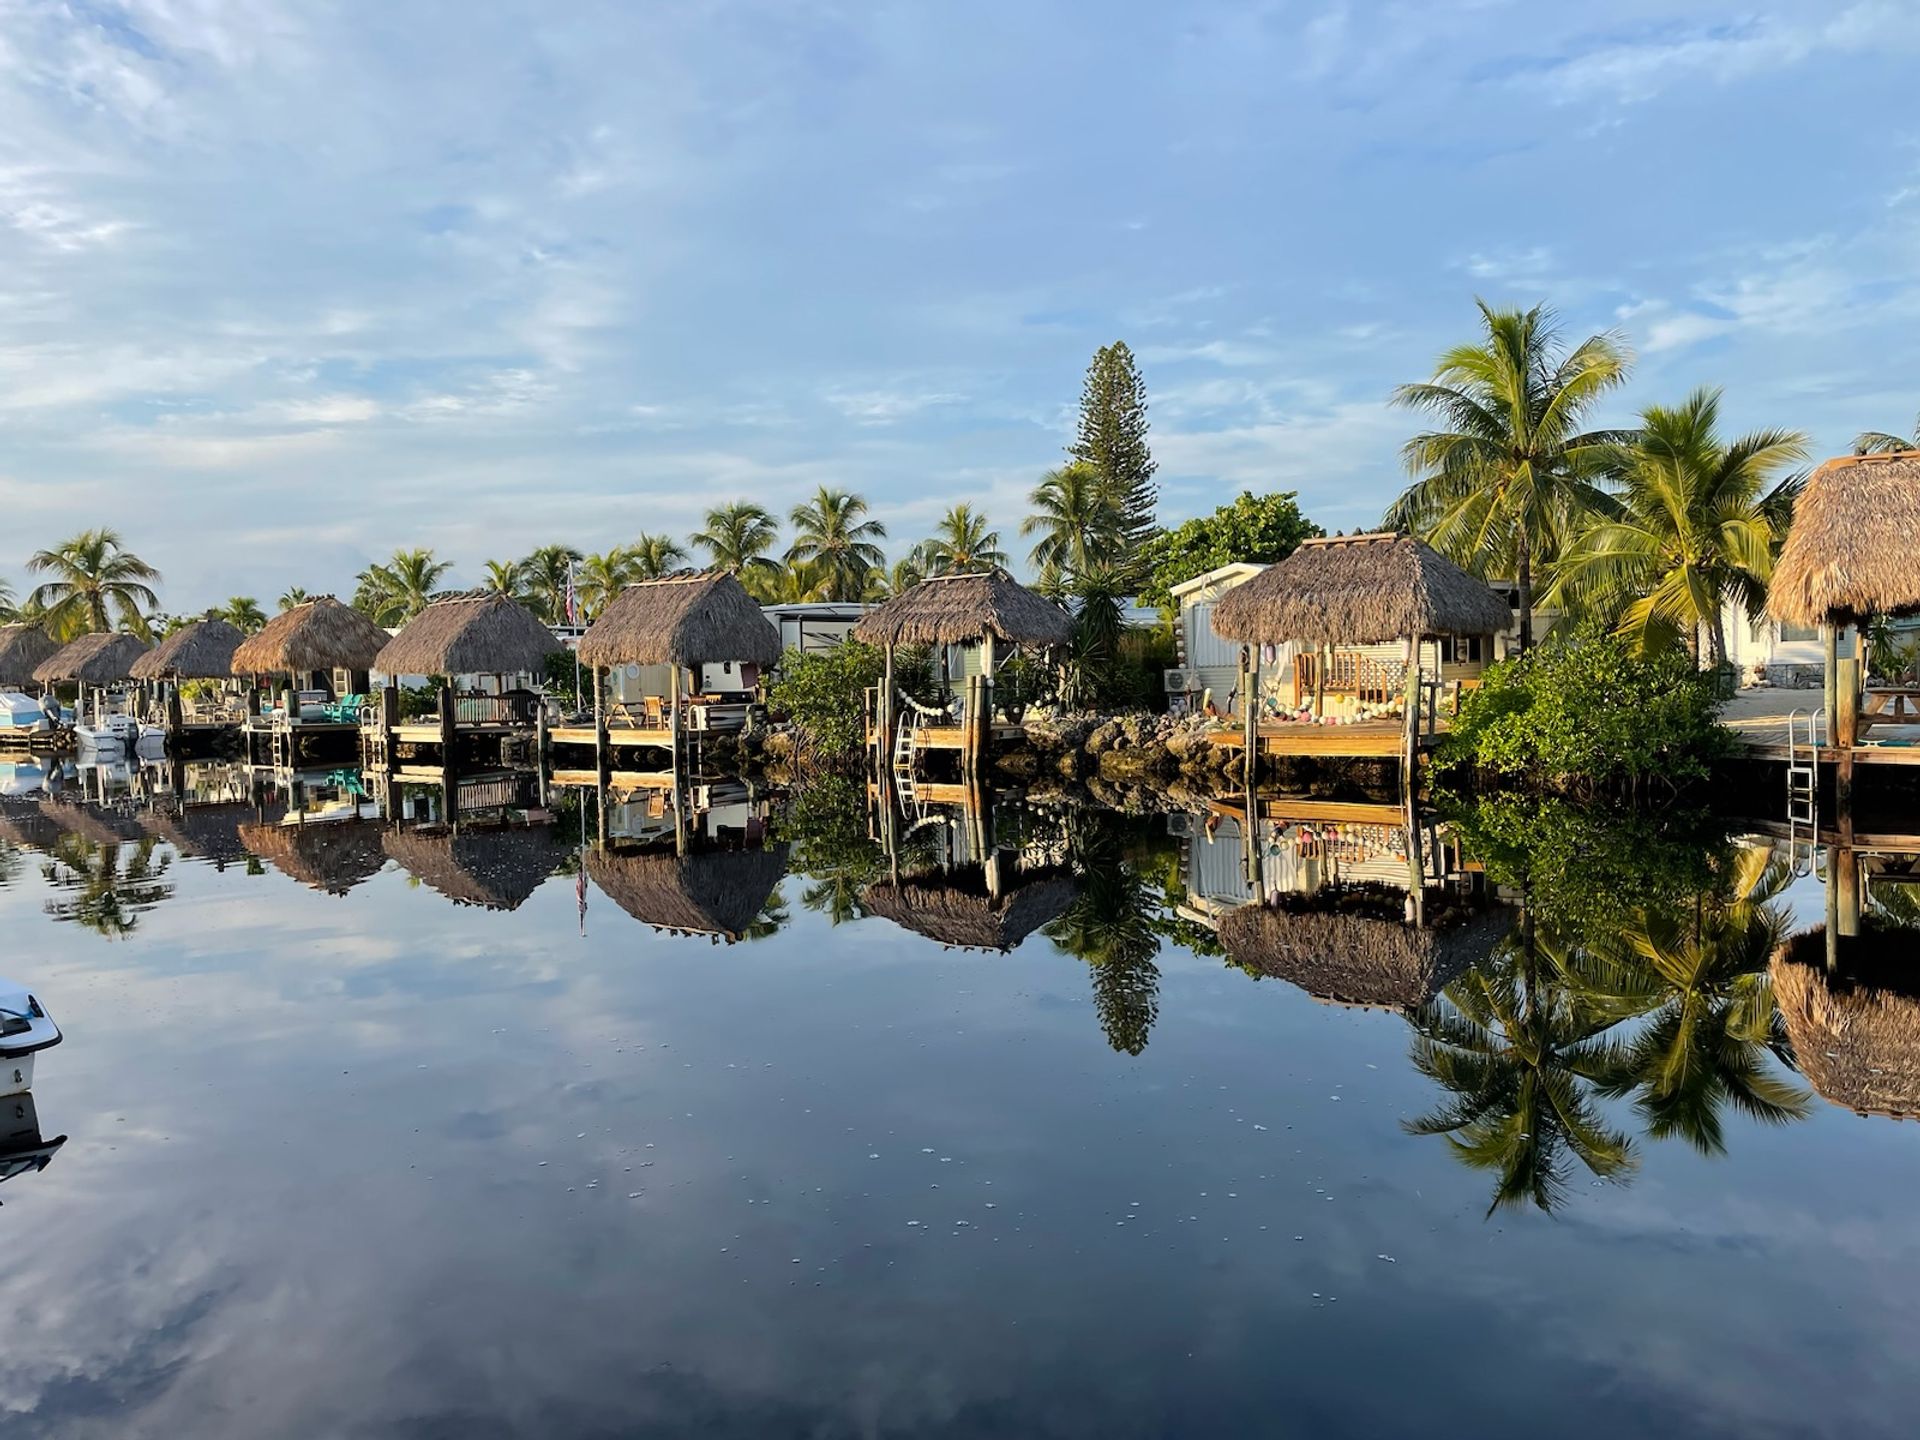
<point x="836" y="895"/>
<point x="1112" y="925"/>
<point x="772" y="918"/>
<point x="1521" y="1046"/>
<point x="108" y="896"/>
<point x="1710" y="1041"/>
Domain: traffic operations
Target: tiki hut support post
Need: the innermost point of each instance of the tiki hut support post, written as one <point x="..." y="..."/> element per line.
<point x="449" y="723"/>
<point x="602" y="744"/>
<point x="883" y="738"/>
<point x="1410" y="747"/>
<point x="389" y="718"/>
<point x="176" y="722"/>
<point x="1249" y="717"/>
<point x="1845" y="732"/>
<point x="1321" y="661"/>
<point x="542" y="748"/>
<point x="1829" y="678"/>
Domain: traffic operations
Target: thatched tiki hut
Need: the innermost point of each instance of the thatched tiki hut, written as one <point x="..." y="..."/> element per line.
<point x="1353" y="958"/>
<point x="715" y="893"/>
<point x="969" y="917"/>
<point x="1852" y="554"/>
<point x="200" y="651"/>
<point x="1361" y="594"/>
<point x="683" y="653"/>
<point x="470" y="637"/>
<point x="1856" y="1033"/>
<point x="23" y="649"/>
<point x="493" y="869"/>
<point x="309" y="643"/>
<point x="986" y="610"/>
<point x="93" y="663"/>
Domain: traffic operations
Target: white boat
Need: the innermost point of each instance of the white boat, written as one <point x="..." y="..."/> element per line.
<point x="118" y="734"/>
<point x="20" y="712"/>
<point x="25" y="1030"/>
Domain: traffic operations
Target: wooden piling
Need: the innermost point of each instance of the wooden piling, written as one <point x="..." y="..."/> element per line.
<point x="1845" y="733"/>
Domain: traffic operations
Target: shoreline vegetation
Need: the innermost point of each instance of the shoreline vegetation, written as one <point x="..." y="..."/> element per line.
<point x="1639" y="536"/>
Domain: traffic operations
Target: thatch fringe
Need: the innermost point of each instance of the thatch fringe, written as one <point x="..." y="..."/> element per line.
<point x="330" y="855"/>
<point x="966" y="918"/>
<point x="694" y="619"/>
<point x="719" y="892"/>
<point x="1356" y="959"/>
<point x="102" y="658"/>
<point x="494" y="869"/>
<point x="27" y="825"/>
<point x="953" y="609"/>
<point x="322" y="634"/>
<point x="487" y="634"/>
<point x="1854" y="549"/>
<point x="100" y="824"/>
<point x="1359" y="590"/>
<point x="200" y="651"/>
<point x="204" y="832"/>
<point x="1857" y="1039"/>
<point x="23" y="649"/>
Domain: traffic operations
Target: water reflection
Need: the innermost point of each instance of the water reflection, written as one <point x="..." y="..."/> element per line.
<point x="24" y="1150"/>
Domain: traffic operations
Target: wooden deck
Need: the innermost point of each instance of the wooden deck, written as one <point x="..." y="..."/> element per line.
<point x="659" y="737"/>
<point x="1371" y="739"/>
<point x="1329" y="812"/>
<point x="429" y="734"/>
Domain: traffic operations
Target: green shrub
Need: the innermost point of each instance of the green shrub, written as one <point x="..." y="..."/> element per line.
<point x="823" y="693"/>
<point x="1586" y="712"/>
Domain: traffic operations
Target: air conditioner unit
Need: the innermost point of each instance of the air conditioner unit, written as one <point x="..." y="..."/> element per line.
<point x="1178" y="682"/>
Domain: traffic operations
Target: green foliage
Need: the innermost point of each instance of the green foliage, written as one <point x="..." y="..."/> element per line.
<point x="823" y="694"/>
<point x="1257" y="528"/>
<point x="1112" y="438"/>
<point x="962" y="543"/>
<point x="1587" y="712"/>
<point x="97" y="584"/>
<point x="420" y="702"/>
<point x="1586" y="868"/>
<point x="832" y="534"/>
<point x="1075" y="519"/>
<point x="559" y="679"/>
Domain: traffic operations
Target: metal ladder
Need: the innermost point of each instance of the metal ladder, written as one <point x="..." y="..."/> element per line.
<point x="903" y="755"/>
<point x="1803" y="792"/>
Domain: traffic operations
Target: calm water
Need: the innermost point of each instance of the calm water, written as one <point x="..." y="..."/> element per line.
<point x="375" y="1163"/>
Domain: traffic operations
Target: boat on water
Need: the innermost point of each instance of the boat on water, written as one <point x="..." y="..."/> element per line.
<point x="24" y="1150"/>
<point x="25" y="1030"/>
<point x="120" y="734"/>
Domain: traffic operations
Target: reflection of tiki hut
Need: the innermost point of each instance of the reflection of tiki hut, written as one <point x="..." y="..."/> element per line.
<point x="1353" y="958"/>
<point x="469" y="635"/>
<point x="1856" y="1034"/>
<point x="204" y="832"/>
<point x="1851" y="553"/>
<point x="102" y="825"/>
<point x="26" y="823"/>
<point x="719" y="892"/>
<point x="333" y="856"/>
<point x="103" y="658"/>
<point x="23" y="648"/>
<point x="494" y="869"/>
<point x="318" y="636"/>
<point x="968" y="918"/>
<point x="200" y="651"/>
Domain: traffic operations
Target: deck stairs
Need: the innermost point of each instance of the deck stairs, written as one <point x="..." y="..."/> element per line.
<point x="1803" y="790"/>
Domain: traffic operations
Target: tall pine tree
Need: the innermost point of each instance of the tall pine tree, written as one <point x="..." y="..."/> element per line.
<point x="1113" y="439"/>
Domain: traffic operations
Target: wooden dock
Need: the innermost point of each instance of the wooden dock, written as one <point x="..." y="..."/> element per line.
<point x="1366" y="740"/>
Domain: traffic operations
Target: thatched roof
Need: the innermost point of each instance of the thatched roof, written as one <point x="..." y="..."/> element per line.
<point x="1355" y="958"/>
<point x="98" y="659"/>
<point x="22" y="650"/>
<point x="1856" y="1036"/>
<point x="322" y="634"/>
<point x="685" y="620"/>
<point x="965" y="916"/>
<point x="953" y="609"/>
<point x="494" y="869"/>
<point x="329" y="855"/>
<point x="1854" y="549"/>
<point x="1359" y="590"/>
<point x="200" y="651"/>
<point x="719" y="892"/>
<point x="469" y="635"/>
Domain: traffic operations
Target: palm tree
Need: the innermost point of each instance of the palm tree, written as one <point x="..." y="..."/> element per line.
<point x="738" y="536"/>
<point x="1699" y="523"/>
<point x="656" y="555"/>
<point x="795" y="583"/>
<point x="243" y="612"/>
<point x="504" y="577"/>
<point x="8" y="609"/>
<point x="1522" y="1048"/>
<point x="905" y="573"/>
<point x="829" y="532"/>
<point x="546" y="575"/>
<point x="1879" y="442"/>
<point x="393" y="593"/>
<point x="962" y="543"/>
<point x="1510" y="472"/>
<point x="1075" y="518"/>
<point x="295" y="595"/>
<point x="1714" y="1031"/>
<point x="1098" y="595"/>
<point x="602" y="577"/>
<point x="98" y="583"/>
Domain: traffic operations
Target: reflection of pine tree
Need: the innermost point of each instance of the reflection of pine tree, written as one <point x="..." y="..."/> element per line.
<point x="1521" y="1048"/>
<point x="1112" y="925"/>
<point x="107" y="895"/>
<point x="1712" y="1034"/>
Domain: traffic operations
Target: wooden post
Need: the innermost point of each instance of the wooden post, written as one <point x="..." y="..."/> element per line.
<point x="389" y="720"/>
<point x="883" y="740"/>
<point x="1249" y="720"/>
<point x="989" y="663"/>
<point x="1321" y="662"/>
<point x="542" y="746"/>
<point x="176" y="721"/>
<point x="1845" y="733"/>
<point x="602" y="745"/>
<point x="1830" y="650"/>
<point x="449" y="732"/>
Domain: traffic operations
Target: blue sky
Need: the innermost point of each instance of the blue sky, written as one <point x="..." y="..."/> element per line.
<point x="286" y="285"/>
